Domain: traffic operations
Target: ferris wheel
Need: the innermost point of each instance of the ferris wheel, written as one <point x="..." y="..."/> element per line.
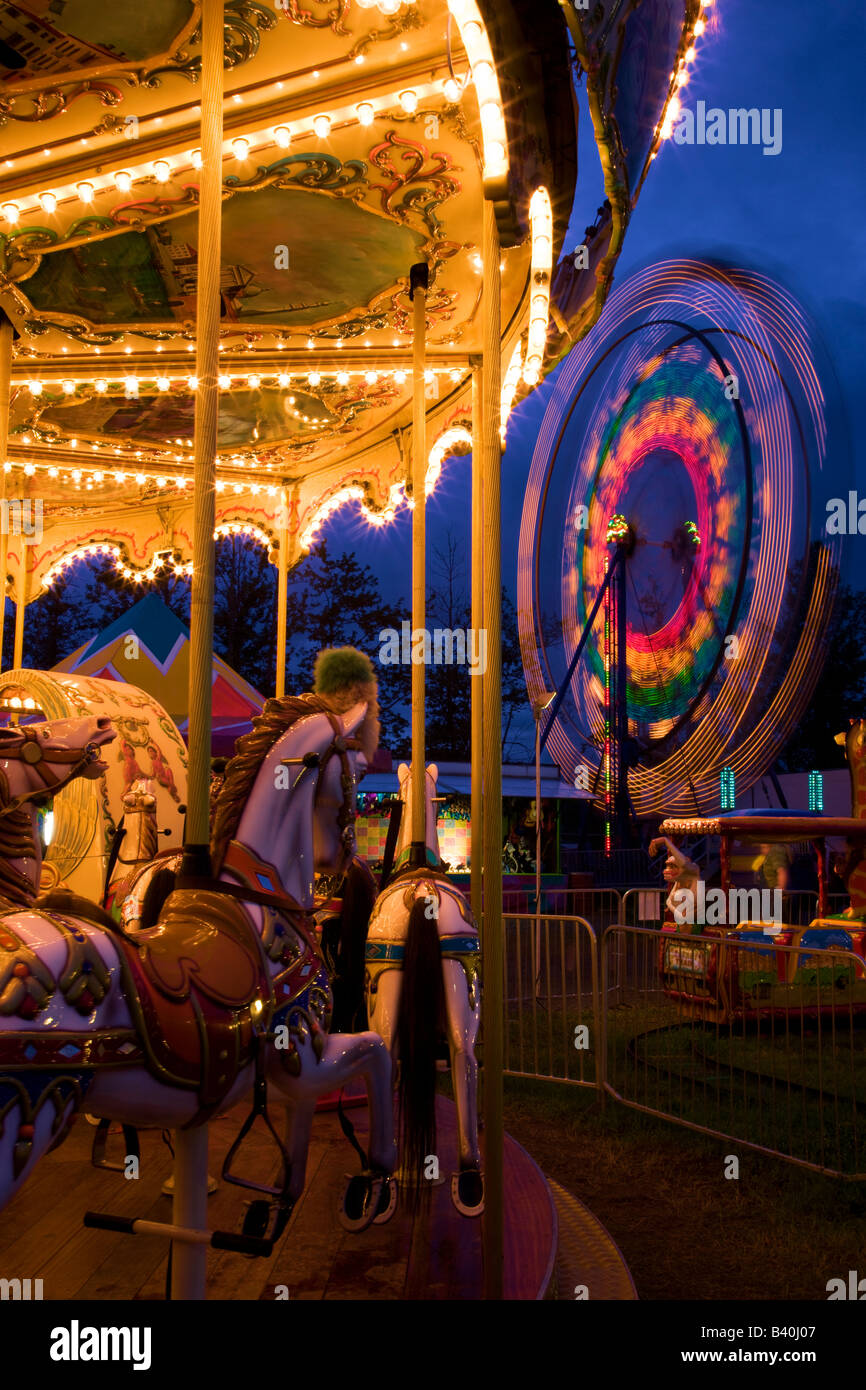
<point x="683" y="448"/>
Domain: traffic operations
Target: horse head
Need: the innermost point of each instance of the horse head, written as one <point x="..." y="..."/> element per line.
<point x="44" y="757"/>
<point x="431" y="833"/>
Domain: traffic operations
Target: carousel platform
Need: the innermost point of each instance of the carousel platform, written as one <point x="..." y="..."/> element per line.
<point x="552" y="1243"/>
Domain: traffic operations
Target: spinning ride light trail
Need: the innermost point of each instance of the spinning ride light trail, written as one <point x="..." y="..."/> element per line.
<point x="694" y="413"/>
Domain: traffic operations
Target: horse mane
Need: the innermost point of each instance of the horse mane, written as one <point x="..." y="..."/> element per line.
<point x="251" y="750"/>
<point x="16" y="842"/>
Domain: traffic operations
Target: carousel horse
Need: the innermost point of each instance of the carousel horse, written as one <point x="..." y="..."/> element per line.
<point x="422" y="978"/>
<point x="173" y="1025"/>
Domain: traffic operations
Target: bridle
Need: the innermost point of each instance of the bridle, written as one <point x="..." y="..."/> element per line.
<point x="340" y="747"/>
<point x="32" y="751"/>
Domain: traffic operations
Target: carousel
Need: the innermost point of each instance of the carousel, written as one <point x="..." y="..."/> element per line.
<point x="258" y="263"/>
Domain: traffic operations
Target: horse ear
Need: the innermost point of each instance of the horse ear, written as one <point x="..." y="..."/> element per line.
<point x="402" y="773"/>
<point x="841" y="739"/>
<point x="354" y="718"/>
<point x="433" y="772"/>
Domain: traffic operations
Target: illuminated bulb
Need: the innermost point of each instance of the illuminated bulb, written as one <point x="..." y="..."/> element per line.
<point x="366" y="4"/>
<point x="314" y="378"/>
<point x="10" y="212"/>
<point x="399" y="377"/>
<point x="409" y="101"/>
<point x="97" y="477"/>
<point x="119" y="477"/>
<point x="29" y="469"/>
<point x="36" y="388"/>
<point x="195" y="159"/>
<point x="85" y="191"/>
<point x="389" y="7"/>
<point x="131" y="384"/>
<point x="48" y="202"/>
<point x="254" y="382"/>
<point x="123" y="181"/>
<point x="192" y="383"/>
<point x="283" y="136"/>
<point x="162" y="383"/>
<point x="691" y="54"/>
<point x="451" y="89"/>
<point x="700" y="26"/>
<point x="141" y="479"/>
<point x="240" y="148"/>
<point x="225" y="382"/>
<point x="366" y="114"/>
<point x="162" y="171"/>
<point x="101" y="385"/>
<point x="682" y="79"/>
<point x="69" y="387"/>
<point x="322" y="126"/>
<point x="160" y="482"/>
<point x="284" y="379"/>
<point x="343" y="378"/>
<point x="371" y="378"/>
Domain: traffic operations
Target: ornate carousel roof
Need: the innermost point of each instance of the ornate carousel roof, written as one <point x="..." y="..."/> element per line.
<point x="360" y="137"/>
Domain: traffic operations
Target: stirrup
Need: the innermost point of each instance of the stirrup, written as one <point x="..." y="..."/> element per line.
<point x="100" y="1146"/>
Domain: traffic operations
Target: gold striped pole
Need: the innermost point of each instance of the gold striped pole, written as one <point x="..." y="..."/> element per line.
<point x="282" y="594"/>
<point x="189" y="1265"/>
<point x="5" y="391"/>
<point x="476" y="782"/>
<point x="492" y="945"/>
<point x="418" y="282"/>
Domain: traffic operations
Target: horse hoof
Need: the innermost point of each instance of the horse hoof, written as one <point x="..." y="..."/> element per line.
<point x="360" y="1201"/>
<point x="387" y="1202"/>
<point x="467" y="1192"/>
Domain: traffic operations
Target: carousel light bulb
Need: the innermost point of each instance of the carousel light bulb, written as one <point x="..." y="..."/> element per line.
<point x="371" y="378"/>
<point x="10" y="212"/>
<point x="314" y="378"/>
<point x="409" y="101"/>
<point x="192" y="383"/>
<point x="130" y="384"/>
<point x="195" y="159"/>
<point x="700" y="26"/>
<point x="283" y="136"/>
<point x="400" y="378"/>
<point x="162" y="171"/>
<point x="343" y="378"/>
<point x="366" y="4"/>
<point x="225" y="382"/>
<point x="69" y="388"/>
<point x="29" y="469"/>
<point x="366" y="114"/>
<point x="451" y="89"/>
<point x="162" y="383"/>
<point x="254" y="381"/>
<point x="284" y="379"/>
<point x="123" y="181"/>
<point x="35" y="388"/>
<point x="322" y="126"/>
<point x="141" y="479"/>
<point x="240" y="148"/>
<point x="48" y="202"/>
<point x="160" y="482"/>
<point x="100" y="385"/>
<point x="691" y="54"/>
<point x="97" y="477"/>
<point x="389" y="7"/>
<point x="85" y="191"/>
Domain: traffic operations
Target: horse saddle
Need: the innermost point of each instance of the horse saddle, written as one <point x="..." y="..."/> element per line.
<point x="195" y="984"/>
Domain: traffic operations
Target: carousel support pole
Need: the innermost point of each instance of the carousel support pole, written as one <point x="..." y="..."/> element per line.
<point x="20" y="607"/>
<point x="419" y="277"/>
<point x="492" y="944"/>
<point x="282" y="596"/>
<point x="6" y="335"/>
<point x="189" y="1266"/>
<point x="477" y="715"/>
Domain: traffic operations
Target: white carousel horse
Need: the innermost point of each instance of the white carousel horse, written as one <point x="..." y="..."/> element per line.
<point x="422" y="974"/>
<point x="173" y="1026"/>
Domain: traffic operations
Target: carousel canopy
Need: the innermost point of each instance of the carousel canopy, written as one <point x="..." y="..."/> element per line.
<point x="358" y="139"/>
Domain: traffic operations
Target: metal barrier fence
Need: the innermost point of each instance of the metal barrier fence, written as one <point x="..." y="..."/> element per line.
<point x="645" y="907"/>
<point x="679" y="1042"/>
<point x="553" y="1020"/>
<point x="667" y="1023"/>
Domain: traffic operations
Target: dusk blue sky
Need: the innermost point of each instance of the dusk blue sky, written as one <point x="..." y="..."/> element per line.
<point x="798" y="216"/>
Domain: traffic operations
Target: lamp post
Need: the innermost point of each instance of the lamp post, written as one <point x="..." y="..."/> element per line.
<point x="538" y="707"/>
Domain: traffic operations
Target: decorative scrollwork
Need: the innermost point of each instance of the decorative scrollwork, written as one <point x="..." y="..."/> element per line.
<point x="322" y="171"/>
<point x="410" y="18"/>
<point x="80" y="329"/>
<point x="54" y="101"/>
<point x="332" y="20"/>
<point x="26" y="985"/>
<point x="424" y="185"/>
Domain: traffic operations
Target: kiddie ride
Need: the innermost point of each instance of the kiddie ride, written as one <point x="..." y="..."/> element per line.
<point x="725" y="974"/>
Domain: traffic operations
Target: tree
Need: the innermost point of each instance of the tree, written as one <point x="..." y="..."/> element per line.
<point x="245" y="610"/>
<point x="840" y="694"/>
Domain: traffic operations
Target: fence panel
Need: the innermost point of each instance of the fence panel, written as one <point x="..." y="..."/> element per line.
<point x="553" y="1021"/>
<point x="757" y="1044"/>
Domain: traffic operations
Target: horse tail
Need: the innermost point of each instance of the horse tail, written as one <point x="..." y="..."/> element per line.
<point x="359" y="897"/>
<point x="422" y="1009"/>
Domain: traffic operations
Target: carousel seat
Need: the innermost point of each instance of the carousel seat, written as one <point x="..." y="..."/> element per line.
<point x="190" y="983"/>
<point x="70" y="904"/>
